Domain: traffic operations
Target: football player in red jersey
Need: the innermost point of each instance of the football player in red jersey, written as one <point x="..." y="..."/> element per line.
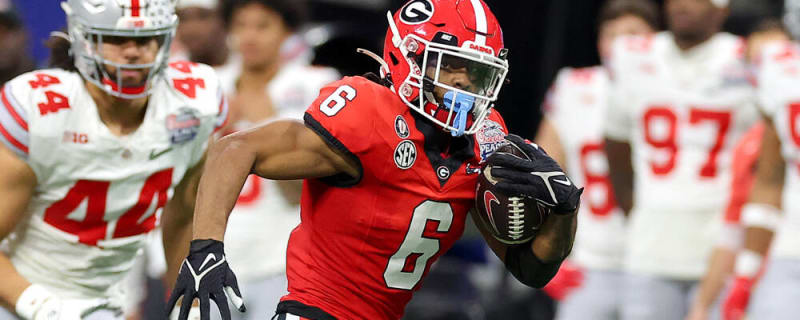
<point x="391" y="165"/>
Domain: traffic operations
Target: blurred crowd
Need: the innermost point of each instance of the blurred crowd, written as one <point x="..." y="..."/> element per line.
<point x="272" y="59"/>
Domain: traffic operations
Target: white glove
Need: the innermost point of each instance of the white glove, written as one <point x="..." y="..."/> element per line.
<point x="37" y="303"/>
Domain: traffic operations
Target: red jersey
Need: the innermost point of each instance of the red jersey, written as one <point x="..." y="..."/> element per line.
<point x="364" y="246"/>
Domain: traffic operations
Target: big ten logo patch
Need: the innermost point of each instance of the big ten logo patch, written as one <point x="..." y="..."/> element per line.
<point x="75" y="137"/>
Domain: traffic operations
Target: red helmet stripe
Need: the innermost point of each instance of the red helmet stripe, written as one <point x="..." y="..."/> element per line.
<point x="135" y="8"/>
<point x="480" y="22"/>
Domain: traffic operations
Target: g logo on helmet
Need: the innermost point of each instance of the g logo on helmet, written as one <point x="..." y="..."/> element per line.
<point x="417" y="11"/>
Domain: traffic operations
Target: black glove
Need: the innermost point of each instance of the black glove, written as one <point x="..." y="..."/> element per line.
<point x="205" y="274"/>
<point x="539" y="178"/>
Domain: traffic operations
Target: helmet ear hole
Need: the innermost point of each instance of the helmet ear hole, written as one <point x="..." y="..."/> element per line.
<point x="393" y="58"/>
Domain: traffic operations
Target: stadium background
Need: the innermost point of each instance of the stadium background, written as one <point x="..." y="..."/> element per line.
<point x="543" y="36"/>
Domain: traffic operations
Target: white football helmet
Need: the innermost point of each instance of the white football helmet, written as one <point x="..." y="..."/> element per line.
<point x="88" y="21"/>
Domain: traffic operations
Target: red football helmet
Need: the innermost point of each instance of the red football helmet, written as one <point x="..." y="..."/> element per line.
<point x="429" y="40"/>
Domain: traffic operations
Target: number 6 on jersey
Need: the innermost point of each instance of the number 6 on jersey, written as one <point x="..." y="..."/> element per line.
<point x="336" y="101"/>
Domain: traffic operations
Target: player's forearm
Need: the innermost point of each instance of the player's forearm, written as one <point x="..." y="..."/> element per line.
<point x="176" y="235"/>
<point x="621" y="172"/>
<point x="227" y="167"/>
<point x="720" y="268"/>
<point x="13" y="284"/>
<point x="555" y="239"/>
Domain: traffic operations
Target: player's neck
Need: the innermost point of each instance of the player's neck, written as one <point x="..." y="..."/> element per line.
<point x="686" y="43"/>
<point x="121" y="116"/>
<point x="257" y="77"/>
<point x="214" y="58"/>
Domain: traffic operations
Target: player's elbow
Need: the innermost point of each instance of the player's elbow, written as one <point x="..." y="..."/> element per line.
<point x="528" y="269"/>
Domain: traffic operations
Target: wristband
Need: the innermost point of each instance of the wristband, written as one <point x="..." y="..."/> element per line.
<point x="761" y="216"/>
<point x="748" y="263"/>
<point x="31" y="301"/>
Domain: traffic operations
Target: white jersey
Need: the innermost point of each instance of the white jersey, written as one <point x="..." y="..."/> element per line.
<point x="682" y="112"/>
<point x="260" y="223"/>
<point x="97" y="194"/>
<point x="576" y="107"/>
<point x="779" y="80"/>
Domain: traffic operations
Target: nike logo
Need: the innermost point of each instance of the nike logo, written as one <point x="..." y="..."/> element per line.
<point x="564" y="182"/>
<point x="209" y="257"/>
<point x="154" y="154"/>
<point x="488" y="198"/>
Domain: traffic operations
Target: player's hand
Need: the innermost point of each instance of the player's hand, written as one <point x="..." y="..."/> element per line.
<point x="205" y="275"/>
<point x="540" y="178"/>
<point x="735" y="304"/>
<point x="568" y="278"/>
<point x="37" y="303"/>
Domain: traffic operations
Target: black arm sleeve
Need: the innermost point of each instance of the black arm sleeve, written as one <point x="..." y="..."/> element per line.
<point x="527" y="268"/>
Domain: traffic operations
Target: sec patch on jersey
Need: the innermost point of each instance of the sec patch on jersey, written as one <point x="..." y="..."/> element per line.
<point x="510" y="219"/>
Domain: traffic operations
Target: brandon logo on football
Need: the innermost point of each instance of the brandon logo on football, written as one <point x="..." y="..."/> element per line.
<point x="405" y="154"/>
<point x="417" y="11"/>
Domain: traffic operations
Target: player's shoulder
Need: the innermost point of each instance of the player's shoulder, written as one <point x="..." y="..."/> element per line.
<point x="638" y="46"/>
<point x="193" y="85"/>
<point x="43" y="92"/>
<point x="780" y="56"/>
<point x="351" y="96"/>
<point x="581" y="77"/>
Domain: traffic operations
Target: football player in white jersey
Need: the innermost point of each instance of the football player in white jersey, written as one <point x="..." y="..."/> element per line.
<point x="745" y="156"/>
<point x="93" y="152"/>
<point x="772" y="216"/>
<point x="679" y="102"/>
<point x="572" y="133"/>
<point x="272" y="80"/>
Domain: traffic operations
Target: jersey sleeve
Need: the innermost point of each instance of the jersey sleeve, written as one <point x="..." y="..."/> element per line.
<point x="199" y="86"/>
<point x="774" y="63"/>
<point x="550" y="106"/>
<point x="343" y="115"/>
<point x="13" y="123"/>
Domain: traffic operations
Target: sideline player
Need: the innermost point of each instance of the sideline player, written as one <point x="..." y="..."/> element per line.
<point x="771" y="216"/>
<point x="572" y="133"/>
<point x="274" y="80"/>
<point x="93" y="152"/>
<point x="745" y="155"/>
<point x="391" y="169"/>
<point x="680" y="101"/>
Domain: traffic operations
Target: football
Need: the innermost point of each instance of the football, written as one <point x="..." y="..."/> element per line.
<point x="510" y="219"/>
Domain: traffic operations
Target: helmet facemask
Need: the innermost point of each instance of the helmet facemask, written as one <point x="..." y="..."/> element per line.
<point x="445" y="100"/>
<point x="88" y="37"/>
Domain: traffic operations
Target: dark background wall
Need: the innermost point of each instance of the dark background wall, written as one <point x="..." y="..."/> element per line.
<point x="542" y="35"/>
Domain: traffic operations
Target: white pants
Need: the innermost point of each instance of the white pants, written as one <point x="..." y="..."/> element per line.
<point x="777" y="295"/>
<point x="260" y="297"/>
<point x="649" y="297"/>
<point x="599" y="297"/>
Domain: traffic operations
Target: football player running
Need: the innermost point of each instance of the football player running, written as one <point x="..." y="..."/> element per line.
<point x="745" y="156"/>
<point x="391" y="164"/>
<point x="572" y="133"/>
<point x="772" y="215"/>
<point x="93" y="152"/>
<point x="679" y="102"/>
